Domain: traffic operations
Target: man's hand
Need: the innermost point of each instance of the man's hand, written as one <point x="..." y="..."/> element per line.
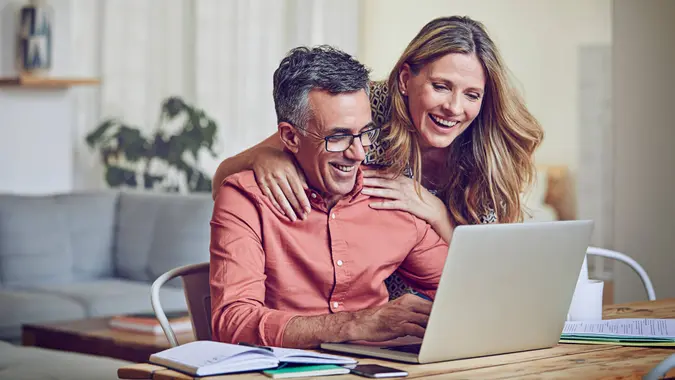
<point x="406" y="315"/>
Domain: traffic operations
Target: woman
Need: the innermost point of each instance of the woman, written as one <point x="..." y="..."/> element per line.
<point x="452" y="123"/>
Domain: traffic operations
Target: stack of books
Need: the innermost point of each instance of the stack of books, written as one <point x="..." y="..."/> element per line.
<point x="147" y="323"/>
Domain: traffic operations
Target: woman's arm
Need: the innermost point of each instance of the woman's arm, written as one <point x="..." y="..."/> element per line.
<point x="276" y="173"/>
<point x="242" y="161"/>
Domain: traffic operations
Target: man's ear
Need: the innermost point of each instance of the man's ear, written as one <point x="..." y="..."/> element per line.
<point x="289" y="136"/>
<point x="403" y="77"/>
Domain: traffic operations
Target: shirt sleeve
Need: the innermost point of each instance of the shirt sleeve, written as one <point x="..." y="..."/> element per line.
<point x="423" y="266"/>
<point x="237" y="273"/>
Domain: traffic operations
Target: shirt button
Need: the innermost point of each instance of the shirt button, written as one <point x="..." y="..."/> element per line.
<point x="332" y="215"/>
<point x="335" y="305"/>
<point x="314" y="195"/>
<point x="339" y="263"/>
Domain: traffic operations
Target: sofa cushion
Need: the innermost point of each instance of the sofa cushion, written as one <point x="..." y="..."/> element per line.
<point x="160" y="231"/>
<point x="91" y="225"/>
<point x="24" y="306"/>
<point x="19" y="363"/>
<point x="108" y="297"/>
<point x="35" y="245"/>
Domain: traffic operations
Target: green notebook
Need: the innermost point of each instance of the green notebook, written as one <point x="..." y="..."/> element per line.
<point x="289" y="372"/>
<point x="624" y="332"/>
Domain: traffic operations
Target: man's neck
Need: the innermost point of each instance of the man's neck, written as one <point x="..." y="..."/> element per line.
<point x="331" y="200"/>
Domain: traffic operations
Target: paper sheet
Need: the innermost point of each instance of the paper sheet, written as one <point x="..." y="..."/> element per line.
<point x="622" y="328"/>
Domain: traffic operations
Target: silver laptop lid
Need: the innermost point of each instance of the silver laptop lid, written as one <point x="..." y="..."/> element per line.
<point x="505" y="288"/>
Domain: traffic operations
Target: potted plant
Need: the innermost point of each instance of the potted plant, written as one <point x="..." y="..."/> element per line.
<point x="165" y="161"/>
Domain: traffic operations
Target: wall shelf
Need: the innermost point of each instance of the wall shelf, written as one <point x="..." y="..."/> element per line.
<point x="28" y="81"/>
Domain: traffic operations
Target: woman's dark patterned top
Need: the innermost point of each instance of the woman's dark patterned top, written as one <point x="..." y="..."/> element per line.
<point x="380" y="104"/>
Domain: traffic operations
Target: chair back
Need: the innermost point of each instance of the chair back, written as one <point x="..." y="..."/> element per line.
<point x="198" y="298"/>
<point x="622" y="257"/>
<point x="197" y="295"/>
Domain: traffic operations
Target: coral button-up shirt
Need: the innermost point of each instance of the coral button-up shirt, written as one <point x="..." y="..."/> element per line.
<point x="265" y="270"/>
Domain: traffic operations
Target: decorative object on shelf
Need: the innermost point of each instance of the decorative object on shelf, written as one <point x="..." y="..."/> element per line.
<point x="166" y="161"/>
<point x="34" y="47"/>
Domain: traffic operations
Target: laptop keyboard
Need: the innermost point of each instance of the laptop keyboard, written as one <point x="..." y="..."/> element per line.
<point x="409" y="348"/>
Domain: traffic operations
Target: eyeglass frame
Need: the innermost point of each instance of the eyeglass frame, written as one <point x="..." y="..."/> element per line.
<point x="353" y="137"/>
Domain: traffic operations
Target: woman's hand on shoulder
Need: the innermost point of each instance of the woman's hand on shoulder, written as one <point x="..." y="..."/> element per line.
<point x="282" y="181"/>
<point x="399" y="194"/>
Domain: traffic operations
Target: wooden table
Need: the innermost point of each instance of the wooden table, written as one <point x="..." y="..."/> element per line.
<point x="565" y="361"/>
<point x="94" y="336"/>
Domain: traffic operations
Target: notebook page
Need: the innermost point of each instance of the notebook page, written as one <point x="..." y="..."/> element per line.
<point x="201" y="354"/>
<point x="623" y="328"/>
<point x="290" y="355"/>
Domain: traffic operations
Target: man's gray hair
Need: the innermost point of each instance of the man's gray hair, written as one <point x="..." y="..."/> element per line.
<point x="304" y="69"/>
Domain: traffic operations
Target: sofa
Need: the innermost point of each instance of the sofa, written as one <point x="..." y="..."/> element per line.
<point x="79" y="255"/>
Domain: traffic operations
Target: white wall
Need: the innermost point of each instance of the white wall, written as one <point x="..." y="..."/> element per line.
<point x="37" y="126"/>
<point x="538" y="40"/>
<point x="643" y="83"/>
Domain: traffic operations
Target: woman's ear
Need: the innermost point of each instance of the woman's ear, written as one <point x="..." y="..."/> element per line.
<point x="403" y="77"/>
<point x="289" y="136"/>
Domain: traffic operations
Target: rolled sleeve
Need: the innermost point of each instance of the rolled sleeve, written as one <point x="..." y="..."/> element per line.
<point x="237" y="274"/>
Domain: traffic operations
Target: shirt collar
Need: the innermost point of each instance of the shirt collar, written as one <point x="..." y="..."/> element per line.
<point x="315" y="197"/>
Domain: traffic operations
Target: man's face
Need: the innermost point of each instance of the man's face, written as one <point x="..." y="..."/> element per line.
<point x="333" y="173"/>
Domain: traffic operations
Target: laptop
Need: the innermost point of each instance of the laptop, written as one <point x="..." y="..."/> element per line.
<point x="504" y="288"/>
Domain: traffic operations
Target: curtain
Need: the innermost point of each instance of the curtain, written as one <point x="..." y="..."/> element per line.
<point x="216" y="54"/>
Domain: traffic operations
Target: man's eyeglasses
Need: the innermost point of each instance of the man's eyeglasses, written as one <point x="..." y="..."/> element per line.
<point x="342" y="141"/>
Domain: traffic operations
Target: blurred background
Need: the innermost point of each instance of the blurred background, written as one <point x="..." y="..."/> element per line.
<point x="596" y="73"/>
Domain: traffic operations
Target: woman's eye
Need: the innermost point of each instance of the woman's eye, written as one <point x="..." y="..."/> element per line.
<point x="473" y="96"/>
<point x="439" y="86"/>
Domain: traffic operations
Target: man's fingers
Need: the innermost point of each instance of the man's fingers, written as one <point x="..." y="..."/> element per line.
<point x="414" y="330"/>
<point x="423" y="307"/>
<point x="417" y="318"/>
<point x="415" y="303"/>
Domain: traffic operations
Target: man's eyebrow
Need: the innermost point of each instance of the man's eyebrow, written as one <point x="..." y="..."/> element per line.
<point x="342" y="131"/>
<point x="347" y="131"/>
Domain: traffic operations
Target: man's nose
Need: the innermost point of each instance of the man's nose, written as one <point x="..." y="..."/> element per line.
<point x="356" y="151"/>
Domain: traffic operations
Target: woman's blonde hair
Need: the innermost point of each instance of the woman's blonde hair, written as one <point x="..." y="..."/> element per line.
<point x="489" y="164"/>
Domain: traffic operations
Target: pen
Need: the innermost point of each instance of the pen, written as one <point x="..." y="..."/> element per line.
<point x="256" y="346"/>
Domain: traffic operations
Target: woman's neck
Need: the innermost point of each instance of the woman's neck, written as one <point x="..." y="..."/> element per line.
<point x="434" y="161"/>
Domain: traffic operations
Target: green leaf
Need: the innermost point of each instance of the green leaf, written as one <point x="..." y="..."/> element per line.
<point x="127" y="142"/>
<point x="150" y="180"/>
<point x="95" y="136"/>
<point x="173" y="106"/>
<point x="116" y="177"/>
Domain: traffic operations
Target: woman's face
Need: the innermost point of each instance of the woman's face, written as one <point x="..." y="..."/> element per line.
<point x="444" y="97"/>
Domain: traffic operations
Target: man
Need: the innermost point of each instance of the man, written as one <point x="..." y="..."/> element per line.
<point x="321" y="279"/>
